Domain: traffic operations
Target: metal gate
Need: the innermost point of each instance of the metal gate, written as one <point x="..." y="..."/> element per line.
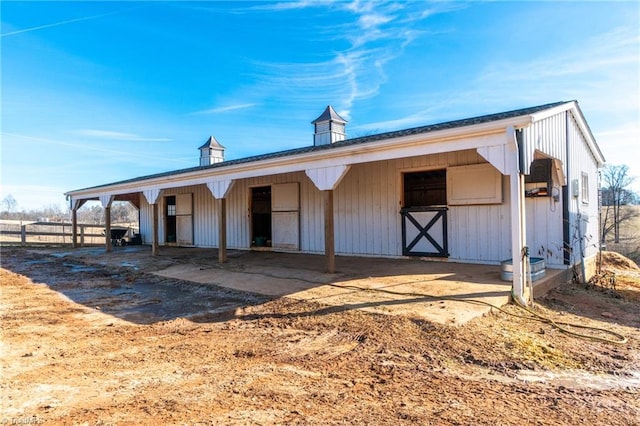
<point x="424" y="231"/>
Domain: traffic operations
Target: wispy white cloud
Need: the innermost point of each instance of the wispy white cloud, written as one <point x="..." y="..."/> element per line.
<point x="601" y="73"/>
<point x="125" y="155"/>
<point x="288" y="5"/>
<point x="376" y="34"/>
<point x="566" y="74"/>
<point x="221" y="109"/>
<point x="118" y="136"/>
<point x="602" y="53"/>
<point x="66" y="22"/>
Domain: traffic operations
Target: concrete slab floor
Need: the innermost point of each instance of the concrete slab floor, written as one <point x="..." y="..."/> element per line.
<point x="438" y="291"/>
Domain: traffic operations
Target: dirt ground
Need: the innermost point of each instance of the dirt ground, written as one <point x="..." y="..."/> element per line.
<point x="74" y="353"/>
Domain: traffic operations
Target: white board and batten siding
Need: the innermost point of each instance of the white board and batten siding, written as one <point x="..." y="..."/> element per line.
<point x="582" y="160"/>
<point x="544" y="229"/>
<point x="552" y="137"/>
<point x="367" y="203"/>
<point x="203" y="216"/>
<point x="205" y="212"/>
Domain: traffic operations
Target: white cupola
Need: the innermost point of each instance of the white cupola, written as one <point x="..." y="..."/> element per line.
<point x="328" y="128"/>
<point x="211" y="152"/>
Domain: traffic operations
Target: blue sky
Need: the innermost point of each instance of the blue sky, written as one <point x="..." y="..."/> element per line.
<point x="96" y="92"/>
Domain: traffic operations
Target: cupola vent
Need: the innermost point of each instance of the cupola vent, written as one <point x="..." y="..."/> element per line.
<point x="211" y="152"/>
<point x="328" y="128"/>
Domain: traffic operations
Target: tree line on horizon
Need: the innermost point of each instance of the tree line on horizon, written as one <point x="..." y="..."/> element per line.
<point x="92" y="214"/>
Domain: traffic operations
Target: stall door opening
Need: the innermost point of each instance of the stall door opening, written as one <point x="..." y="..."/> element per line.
<point x="170" y="219"/>
<point x="424" y="215"/>
<point x="261" y="216"/>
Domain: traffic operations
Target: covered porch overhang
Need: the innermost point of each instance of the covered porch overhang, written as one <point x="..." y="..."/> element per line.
<point x="495" y="141"/>
<point x="106" y="201"/>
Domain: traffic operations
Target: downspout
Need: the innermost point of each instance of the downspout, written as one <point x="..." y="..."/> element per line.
<point x="518" y="229"/>
<point x="566" y="199"/>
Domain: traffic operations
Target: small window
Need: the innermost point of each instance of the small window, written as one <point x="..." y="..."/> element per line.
<point x="584" y="188"/>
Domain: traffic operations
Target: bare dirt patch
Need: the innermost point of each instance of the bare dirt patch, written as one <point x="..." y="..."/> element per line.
<point x="90" y="344"/>
<point x="619" y="274"/>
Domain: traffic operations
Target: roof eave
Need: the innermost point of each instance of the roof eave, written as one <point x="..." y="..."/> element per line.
<point x="217" y="173"/>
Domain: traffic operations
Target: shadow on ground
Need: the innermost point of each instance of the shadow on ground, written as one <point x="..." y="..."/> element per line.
<point x="125" y="292"/>
<point x="130" y="284"/>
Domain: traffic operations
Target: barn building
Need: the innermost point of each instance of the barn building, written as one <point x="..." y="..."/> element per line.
<point x="476" y="190"/>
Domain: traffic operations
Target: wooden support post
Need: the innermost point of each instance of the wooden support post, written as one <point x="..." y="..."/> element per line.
<point x="154" y="229"/>
<point x="23" y="234"/>
<point x="329" y="239"/>
<point x="107" y="228"/>
<point x="82" y="228"/>
<point x="222" y="230"/>
<point x="74" y="228"/>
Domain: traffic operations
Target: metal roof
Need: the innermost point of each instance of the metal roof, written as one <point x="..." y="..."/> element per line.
<point x="329" y="114"/>
<point x="347" y="142"/>
<point x="212" y="142"/>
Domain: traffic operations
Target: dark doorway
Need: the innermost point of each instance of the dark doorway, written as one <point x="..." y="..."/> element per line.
<point x="424" y="215"/>
<point x="422" y="189"/>
<point x="261" y="216"/>
<point x="170" y="219"/>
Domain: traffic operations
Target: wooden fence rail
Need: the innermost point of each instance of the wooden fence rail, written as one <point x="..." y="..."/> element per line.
<point x="50" y="233"/>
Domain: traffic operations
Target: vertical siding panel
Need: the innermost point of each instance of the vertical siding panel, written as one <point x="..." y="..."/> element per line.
<point x="349" y="227"/>
<point x="308" y="212"/>
<point x="582" y="160"/>
<point x="306" y="216"/>
<point x="341" y="200"/>
<point x="314" y="223"/>
<point x="362" y="246"/>
<point x="376" y="196"/>
<point x="453" y="232"/>
<point x="385" y="201"/>
<point x="319" y="221"/>
<point x="145" y="220"/>
<point x="199" y="216"/>
<point x="492" y="221"/>
<point x="396" y="221"/>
